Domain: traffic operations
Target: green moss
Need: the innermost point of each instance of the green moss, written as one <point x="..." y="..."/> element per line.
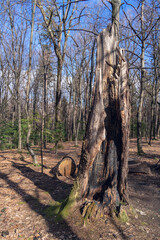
<point x="123" y="217"/>
<point x="52" y="210"/>
<point x="62" y="209"/>
<point x="21" y="203"/>
<point x="69" y="203"/>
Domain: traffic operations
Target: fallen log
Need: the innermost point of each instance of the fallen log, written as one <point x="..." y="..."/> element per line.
<point x="66" y="167"/>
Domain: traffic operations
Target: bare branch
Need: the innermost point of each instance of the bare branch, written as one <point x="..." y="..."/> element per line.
<point x="152" y="28"/>
<point x="50" y="18"/>
<point x="133" y="53"/>
<point x="106" y="5"/>
<point x="129" y="4"/>
<point x="135" y="31"/>
<point x="73" y="2"/>
<point x="82" y="29"/>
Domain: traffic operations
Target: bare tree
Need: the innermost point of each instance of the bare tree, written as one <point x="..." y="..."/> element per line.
<point x="28" y="86"/>
<point x="13" y="49"/>
<point x="58" y="24"/>
<point x="142" y="35"/>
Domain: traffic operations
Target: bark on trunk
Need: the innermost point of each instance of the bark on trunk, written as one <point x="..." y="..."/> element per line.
<point x="141" y="99"/>
<point x="103" y="167"/>
<point x="45" y="106"/>
<point x="91" y="74"/>
<point x="58" y="100"/>
<point x="31" y="152"/>
<point x="19" y="122"/>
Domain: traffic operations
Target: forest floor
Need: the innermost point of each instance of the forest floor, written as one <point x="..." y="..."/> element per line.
<point x="26" y="197"/>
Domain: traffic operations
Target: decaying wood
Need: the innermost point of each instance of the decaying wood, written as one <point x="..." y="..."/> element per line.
<point x="66" y="167"/>
<point x="103" y="165"/>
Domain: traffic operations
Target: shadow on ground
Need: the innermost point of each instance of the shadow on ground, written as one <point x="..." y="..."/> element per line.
<point x="47" y="183"/>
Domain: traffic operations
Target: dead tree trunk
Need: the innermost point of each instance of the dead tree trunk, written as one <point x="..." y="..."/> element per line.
<point x="103" y="168"/>
<point x="104" y="161"/>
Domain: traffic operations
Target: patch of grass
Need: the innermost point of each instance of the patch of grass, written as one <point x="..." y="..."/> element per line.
<point x="37" y="165"/>
<point x="21" y="203"/>
<point x="36" y="149"/>
<point x="76" y="146"/>
<point x="133" y="211"/>
<point x="144" y="223"/>
<point x="22" y="158"/>
<point x="3" y="209"/>
<point x="60" y="146"/>
<point x="47" y="193"/>
<point x="29" y="165"/>
<point x="123" y="217"/>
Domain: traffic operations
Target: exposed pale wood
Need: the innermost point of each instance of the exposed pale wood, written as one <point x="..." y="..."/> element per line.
<point x="103" y="165"/>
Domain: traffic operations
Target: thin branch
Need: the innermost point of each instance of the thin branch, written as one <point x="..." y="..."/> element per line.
<point x="152" y="28"/>
<point x="129" y="4"/>
<point x="50" y="18"/>
<point x="132" y="26"/>
<point x="82" y="29"/>
<point x="143" y="67"/>
<point x="133" y="53"/>
<point x="106" y="5"/>
<point x="64" y="5"/>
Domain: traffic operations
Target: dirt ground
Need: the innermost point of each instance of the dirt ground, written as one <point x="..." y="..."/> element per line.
<point x="26" y="196"/>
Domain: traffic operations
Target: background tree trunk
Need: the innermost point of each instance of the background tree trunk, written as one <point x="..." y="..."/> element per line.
<point x="141" y="98"/>
<point x="28" y="87"/>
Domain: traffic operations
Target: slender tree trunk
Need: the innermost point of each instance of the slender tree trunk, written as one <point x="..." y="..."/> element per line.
<point x="19" y="122"/>
<point x="58" y="100"/>
<point x="79" y="112"/>
<point x="28" y="88"/>
<point x="151" y="121"/>
<point x="69" y="118"/>
<point x="141" y="98"/>
<point x="42" y="141"/>
<point x="156" y="85"/>
<point x="86" y="110"/>
<point x="45" y="107"/>
<point x="91" y="73"/>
